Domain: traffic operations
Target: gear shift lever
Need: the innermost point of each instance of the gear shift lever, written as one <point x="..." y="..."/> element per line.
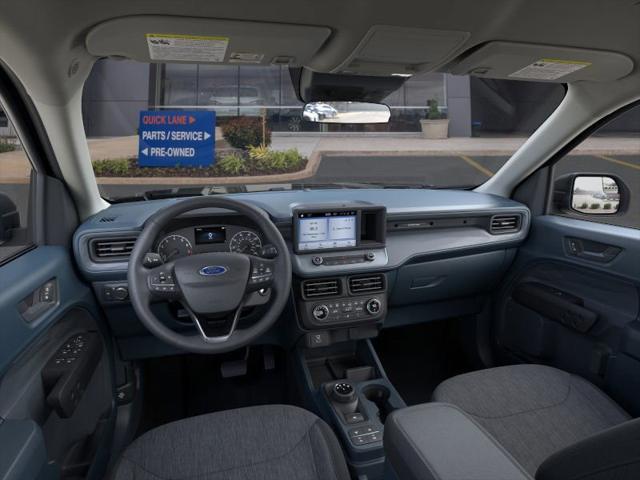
<point x="343" y="392"/>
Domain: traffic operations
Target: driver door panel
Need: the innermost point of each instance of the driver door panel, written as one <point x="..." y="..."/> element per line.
<point x="56" y="391"/>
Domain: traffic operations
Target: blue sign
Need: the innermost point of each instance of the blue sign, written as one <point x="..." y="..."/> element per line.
<point x="176" y="138"/>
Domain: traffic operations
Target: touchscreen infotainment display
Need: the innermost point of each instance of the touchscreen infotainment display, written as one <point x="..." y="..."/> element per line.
<point x="326" y="230"/>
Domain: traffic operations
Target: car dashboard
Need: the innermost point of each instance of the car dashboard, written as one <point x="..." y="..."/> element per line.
<point x="361" y="259"/>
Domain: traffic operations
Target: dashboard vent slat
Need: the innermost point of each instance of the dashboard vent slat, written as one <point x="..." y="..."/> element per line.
<point x="320" y="288"/>
<point x="505" y="224"/>
<point x="112" y="248"/>
<point x="366" y="283"/>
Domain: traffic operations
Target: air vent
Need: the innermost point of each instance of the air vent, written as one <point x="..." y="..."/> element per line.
<point x="504" y="224"/>
<point x="112" y="249"/>
<point x="366" y="283"/>
<point x="320" y="288"/>
<point x="107" y="219"/>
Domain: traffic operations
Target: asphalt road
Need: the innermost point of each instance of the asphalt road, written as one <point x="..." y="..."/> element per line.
<point x="438" y="171"/>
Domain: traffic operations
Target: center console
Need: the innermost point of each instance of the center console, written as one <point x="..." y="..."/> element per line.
<point x="340" y="294"/>
<point x="351" y="391"/>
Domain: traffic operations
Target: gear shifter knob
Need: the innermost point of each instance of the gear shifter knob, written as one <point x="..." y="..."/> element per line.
<point x="343" y="392"/>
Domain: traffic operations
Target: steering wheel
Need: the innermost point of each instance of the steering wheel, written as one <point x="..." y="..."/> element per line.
<point x="209" y="285"/>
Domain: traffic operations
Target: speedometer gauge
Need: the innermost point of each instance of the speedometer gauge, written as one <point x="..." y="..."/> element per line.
<point x="245" y="242"/>
<point x="174" y="246"/>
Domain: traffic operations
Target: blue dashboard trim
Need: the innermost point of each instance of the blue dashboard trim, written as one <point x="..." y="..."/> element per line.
<point x="129" y="218"/>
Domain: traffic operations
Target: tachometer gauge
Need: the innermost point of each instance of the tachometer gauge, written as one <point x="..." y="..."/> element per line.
<point x="245" y="242"/>
<point x="174" y="246"/>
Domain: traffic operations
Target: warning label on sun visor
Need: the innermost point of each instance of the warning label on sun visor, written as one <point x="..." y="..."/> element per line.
<point x="186" y="48"/>
<point x="549" y="69"/>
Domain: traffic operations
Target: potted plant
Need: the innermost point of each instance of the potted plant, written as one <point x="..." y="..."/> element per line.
<point x="436" y="125"/>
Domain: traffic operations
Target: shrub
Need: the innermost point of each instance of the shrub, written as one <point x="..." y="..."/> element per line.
<point x="117" y="167"/>
<point x="584" y="206"/>
<point x="276" y="161"/>
<point x="433" y="112"/>
<point x="244" y="132"/>
<point x="6" y="147"/>
<point x="607" y="206"/>
<point x="258" y="153"/>
<point x="594" y="206"/>
<point x="232" y="164"/>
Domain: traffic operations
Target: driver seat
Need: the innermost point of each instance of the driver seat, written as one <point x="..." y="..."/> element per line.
<point x="266" y="442"/>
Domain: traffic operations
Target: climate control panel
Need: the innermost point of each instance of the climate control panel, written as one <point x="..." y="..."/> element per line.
<point x="332" y="302"/>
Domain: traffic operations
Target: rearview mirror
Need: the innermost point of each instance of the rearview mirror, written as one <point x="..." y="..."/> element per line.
<point x="346" y="112"/>
<point x="595" y="195"/>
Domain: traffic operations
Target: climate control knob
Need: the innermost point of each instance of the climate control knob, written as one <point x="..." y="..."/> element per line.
<point x="373" y="306"/>
<point x="320" y="312"/>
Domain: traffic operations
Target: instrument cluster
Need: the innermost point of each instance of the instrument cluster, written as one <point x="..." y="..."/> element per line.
<point x="208" y="238"/>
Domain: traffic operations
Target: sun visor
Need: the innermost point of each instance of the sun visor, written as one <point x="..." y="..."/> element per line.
<point x="313" y="86"/>
<point x="386" y="49"/>
<point x="542" y="63"/>
<point x="202" y="40"/>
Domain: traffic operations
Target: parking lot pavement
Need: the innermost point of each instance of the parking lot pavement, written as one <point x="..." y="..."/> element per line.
<point x="433" y="170"/>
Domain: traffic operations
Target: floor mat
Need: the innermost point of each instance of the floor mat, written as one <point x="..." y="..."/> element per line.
<point x="187" y="385"/>
<point x="418" y="357"/>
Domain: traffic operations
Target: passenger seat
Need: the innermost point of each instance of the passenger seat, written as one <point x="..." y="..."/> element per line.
<point x="532" y="421"/>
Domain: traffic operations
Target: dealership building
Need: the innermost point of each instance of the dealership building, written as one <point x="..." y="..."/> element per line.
<point x="118" y="90"/>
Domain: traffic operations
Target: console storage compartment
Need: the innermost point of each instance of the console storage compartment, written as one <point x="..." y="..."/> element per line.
<point x="439" y="441"/>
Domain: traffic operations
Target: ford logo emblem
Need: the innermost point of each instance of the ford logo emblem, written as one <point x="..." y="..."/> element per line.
<point x="213" y="270"/>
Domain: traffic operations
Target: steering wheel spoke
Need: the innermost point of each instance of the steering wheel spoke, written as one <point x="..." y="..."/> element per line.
<point x="205" y="330"/>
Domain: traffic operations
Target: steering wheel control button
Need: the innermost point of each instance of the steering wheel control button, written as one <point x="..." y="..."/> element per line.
<point x="318" y="339"/>
<point x="261" y="273"/>
<point x="162" y="282"/>
<point x="320" y="312"/>
<point x="317" y="260"/>
<point x="373" y="306"/>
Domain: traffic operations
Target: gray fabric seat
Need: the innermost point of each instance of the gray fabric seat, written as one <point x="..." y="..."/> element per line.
<point x="533" y="411"/>
<point x="267" y="442"/>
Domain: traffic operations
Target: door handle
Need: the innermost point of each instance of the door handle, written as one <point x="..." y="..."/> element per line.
<point x="590" y="250"/>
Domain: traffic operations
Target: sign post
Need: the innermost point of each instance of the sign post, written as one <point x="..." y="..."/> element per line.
<point x="176" y="138"/>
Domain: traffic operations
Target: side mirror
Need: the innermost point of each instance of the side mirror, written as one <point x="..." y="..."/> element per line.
<point x="346" y="112"/>
<point x="9" y="217"/>
<point x="595" y="195"/>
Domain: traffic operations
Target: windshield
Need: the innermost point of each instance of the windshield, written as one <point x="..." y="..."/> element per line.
<point x="158" y="130"/>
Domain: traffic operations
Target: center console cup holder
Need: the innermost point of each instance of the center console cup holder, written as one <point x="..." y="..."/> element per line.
<point x="379" y="395"/>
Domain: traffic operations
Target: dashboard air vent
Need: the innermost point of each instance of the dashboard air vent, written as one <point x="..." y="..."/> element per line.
<point x="504" y="224"/>
<point x="320" y="288"/>
<point x="112" y="249"/>
<point x="366" y="283"/>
